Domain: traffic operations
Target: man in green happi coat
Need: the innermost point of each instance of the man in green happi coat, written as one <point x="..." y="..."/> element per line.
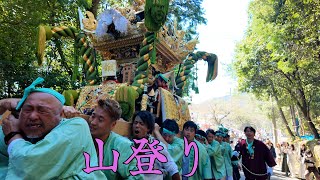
<point x="219" y="137"/>
<point x="101" y="123"/>
<point x="214" y="151"/>
<point x="40" y="144"/>
<point x="167" y="135"/>
<point x="227" y="156"/>
<point x="203" y="170"/>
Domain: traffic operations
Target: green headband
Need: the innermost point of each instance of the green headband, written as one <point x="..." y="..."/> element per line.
<point x="32" y="88"/>
<point x="220" y="134"/>
<point x="166" y="131"/>
<point x="163" y="77"/>
<point x="200" y="136"/>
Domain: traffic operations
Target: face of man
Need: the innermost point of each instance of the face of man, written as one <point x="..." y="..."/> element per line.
<point x="100" y="123"/>
<point x="200" y="139"/>
<point x="210" y="138"/>
<point x="189" y="133"/>
<point x="168" y="138"/>
<point x="226" y="139"/>
<point x="159" y="82"/>
<point x="139" y="128"/>
<point x="219" y="138"/>
<point x="40" y="113"/>
<point x="249" y="134"/>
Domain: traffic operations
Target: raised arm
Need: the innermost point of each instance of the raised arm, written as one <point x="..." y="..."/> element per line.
<point x="158" y="135"/>
<point x="8" y="104"/>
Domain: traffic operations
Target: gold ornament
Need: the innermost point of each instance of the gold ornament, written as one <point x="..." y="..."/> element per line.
<point x="89" y="23"/>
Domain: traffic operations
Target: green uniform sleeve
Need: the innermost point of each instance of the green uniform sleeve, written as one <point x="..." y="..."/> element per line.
<point x="213" y="150"/>
<point x="176" y="150"/>
<point x="123" y="146"/>
<point x="4" y="157"/>
<point x="207" y="173"/>
<point x="205" y="164"/>
<point x="125" y="153"/>
<point x="227" y="157"/>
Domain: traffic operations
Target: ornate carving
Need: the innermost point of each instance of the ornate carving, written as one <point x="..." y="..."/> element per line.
<point x="128" y="73"/>
<point x="125" y="52"/>
<point x="106" y="55"/>
<point x="89" y="23"/>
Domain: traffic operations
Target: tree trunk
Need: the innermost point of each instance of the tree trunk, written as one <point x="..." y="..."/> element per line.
<point x="94" y="7"/>
<point x="302" y="128"/>
<point x="293" y="118"/>
<point x="306" y="113"/>
<point x="305" y="108"/>
<point x="311" y="125"/>
<point x="274" y="124"/>
<point x="284" y="120"/>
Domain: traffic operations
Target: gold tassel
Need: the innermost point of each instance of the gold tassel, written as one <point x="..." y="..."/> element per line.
<point x="41" y="44"/>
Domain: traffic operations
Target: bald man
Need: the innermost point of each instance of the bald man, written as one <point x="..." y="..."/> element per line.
<point x="40" y="144"/>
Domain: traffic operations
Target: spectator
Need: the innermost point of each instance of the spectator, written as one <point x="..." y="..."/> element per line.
<point x="292" y="161"/>
<point x="278" y="154"/>
<point x="284" y="167"/>
<point x="309" y="162"/>
<point x="301" y="160"/>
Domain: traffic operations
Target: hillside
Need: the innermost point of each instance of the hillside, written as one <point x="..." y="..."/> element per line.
<point x="234" y="112"/>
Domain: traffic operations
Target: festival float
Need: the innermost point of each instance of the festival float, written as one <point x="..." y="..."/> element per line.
<point x="146" y="61"/>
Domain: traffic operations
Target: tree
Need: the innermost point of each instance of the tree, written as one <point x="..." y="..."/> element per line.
<point x="189" y="14"/>
<point x="279" y="55"/>
<point x="218" y="114"/>
<point x="18" y="24"/>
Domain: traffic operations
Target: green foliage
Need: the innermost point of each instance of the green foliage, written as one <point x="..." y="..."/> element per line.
<point x="280" y="54"/>
<point x="19" y="21"/>
<point x="18" y="24"/>
<point x="189" y="14"/>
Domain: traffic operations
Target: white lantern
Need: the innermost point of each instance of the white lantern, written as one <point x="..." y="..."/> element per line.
<point x="109" y="68"/>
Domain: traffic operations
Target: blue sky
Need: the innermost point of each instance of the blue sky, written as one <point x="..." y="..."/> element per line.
<point x="226" y="24"/>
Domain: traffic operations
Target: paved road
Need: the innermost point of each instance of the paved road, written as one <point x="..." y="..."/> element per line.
<point x="277" y="175"/>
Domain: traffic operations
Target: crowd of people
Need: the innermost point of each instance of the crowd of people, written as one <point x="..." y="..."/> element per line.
<point x="40" y="144"/>
<point x="295" y="162"/>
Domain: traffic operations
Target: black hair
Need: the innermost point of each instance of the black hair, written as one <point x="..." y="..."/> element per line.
<point x="146" y="118"/>
<point x="202" y="133"/>
<point x="190" y="124"/>
<point x="251" y="129"/>
<point x="309" y="152"/>
<point x="210" y="131"/>
<point x="171" y="125"/>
